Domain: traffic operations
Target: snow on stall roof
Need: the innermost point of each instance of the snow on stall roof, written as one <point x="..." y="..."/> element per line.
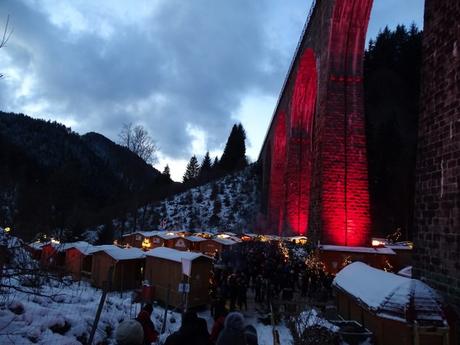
<point x="118" y="253"/>
<point x="173" y="254"/>
<point x="406" y="272"/>
<point x="195" y="238"/>
<point x="144" y="233"/>
<point x="37" y="245"/>
<point x="388" y="294"/>
<point x="369" y="250"/>
<point x="224" y="241"/>
<point x="168" y="236"/>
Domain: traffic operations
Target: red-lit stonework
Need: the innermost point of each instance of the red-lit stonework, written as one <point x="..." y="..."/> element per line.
<point x="314" y="157"/>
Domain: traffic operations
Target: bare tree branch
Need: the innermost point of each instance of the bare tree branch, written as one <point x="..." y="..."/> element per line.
<point x="7" y="32"/>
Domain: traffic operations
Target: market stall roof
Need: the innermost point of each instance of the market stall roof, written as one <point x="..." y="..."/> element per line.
<point x="390" y="295"/>
<point x="195" y="238"/>
<point x="145" y="233"/>
<point x="120" y="254"/>
<point x="174" y="255"/>
<point x="406" y="272"/>
<point x="224" y="241"/>
<point x="367" y="250"/>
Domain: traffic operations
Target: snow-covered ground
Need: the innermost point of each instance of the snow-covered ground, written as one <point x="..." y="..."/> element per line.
<point x="70" y="309"/>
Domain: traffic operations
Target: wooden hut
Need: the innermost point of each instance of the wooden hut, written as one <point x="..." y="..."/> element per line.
<point x="35" y="249"/>
<point x="164" y="271"/>
<point x="403" y="257"/>
<point x="164" y="240"/>
<point x="53" y="255"/>
<point x="398" y="310"/>
<point x="181" y="243"/>
<point x="127" y="267"/>
<point x="216" y="246"/>
<point x="78" y="259"/>
<point x="140" y="239"/>
<point x="195" y="243"/>
<point x="336" y="257"/>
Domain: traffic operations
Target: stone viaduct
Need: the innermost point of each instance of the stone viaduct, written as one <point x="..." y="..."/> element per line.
<point x="314" y="158"/>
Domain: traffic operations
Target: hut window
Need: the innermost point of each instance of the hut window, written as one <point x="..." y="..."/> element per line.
<point x="138" y="237"/>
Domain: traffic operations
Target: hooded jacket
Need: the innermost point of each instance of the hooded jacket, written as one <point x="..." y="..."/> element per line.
<point x="233" y="332"/>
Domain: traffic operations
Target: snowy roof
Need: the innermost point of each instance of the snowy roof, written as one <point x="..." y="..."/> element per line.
<point x="37" y="245"/>
<point x="167" y="236"/>
<point x="224" y="241"/>
<point x="195" y="239"/>
<point x="120" y="254"/>
<point x="80" y="245"/>
<point x="250" y="234"/>
<point x="406" y="272"/>
<point x="389" y="295"/>
<point x="144" y="233"/>
<point x="173" y="254"/>
<point x="368" y="250"/>
<point x="229" y="233"/>
<point x="399" y="246"/>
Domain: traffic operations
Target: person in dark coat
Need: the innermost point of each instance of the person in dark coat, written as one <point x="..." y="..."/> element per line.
<point x="233" y="332"/>
<point x="193" y="331"/>
<point x="219" y="321"/>
<point x="150" y="334"/>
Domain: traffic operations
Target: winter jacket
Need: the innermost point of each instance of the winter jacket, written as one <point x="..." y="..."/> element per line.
<point x="233" y="332"/>
<point x="150" y="334"/>
<point x="193" y="331"/>
<point x="217" y="328"/>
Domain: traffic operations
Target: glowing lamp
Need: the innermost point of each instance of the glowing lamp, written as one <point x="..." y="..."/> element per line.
<point x="377" y="243"/>
<point x="146" y="244"/>
<point x="7" y="229"/>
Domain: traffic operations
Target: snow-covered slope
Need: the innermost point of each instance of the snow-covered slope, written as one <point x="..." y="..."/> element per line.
<point x="228" y="204"/>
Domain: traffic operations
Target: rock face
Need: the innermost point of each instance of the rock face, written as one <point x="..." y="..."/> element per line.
<point x="437" y="216"/>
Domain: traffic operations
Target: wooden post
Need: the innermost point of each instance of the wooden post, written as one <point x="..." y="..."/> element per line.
<point x="163" y="327"/>
<point x="107" y="287"/>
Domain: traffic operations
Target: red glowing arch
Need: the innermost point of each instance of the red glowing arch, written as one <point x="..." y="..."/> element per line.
<point x="277" y="187"/>
<point x="298" y="170"/>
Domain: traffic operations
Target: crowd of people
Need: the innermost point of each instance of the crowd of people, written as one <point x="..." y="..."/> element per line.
<point x="270" y="270"/>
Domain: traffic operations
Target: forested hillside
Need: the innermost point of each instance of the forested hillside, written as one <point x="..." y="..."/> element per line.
<point x="52" y="179"/>
<point x="392" y="90"/>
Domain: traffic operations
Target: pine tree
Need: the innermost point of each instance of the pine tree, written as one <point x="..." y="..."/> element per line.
<point x="166" y="172"/>
<point x="205" y="168"/>
<point x="192" y="170"/>
<point x="234" y="156"/>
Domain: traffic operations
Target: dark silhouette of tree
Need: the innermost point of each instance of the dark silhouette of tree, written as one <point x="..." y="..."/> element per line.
<point x="166" y="172"/>
<point x="205" y="169"/>
<point x="137" y="139"/>
<point x="234" y="156"/>
<point x="392" y="89"/>
<point x="192" y="170"/>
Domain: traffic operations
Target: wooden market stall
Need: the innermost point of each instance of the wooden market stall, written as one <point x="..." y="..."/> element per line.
<point x="164" y="272"/>
<point x="216" y="246"/>
<point x="336" y="257"/>
<point x="181" y="243"/>
<point x="164" y="239"/>
<point x="78" y="259"/>
<point x="127" y="267"/>
<point x="398" y="310"/>
<point x="53" y="255"/>
<point x="195" y="243"/>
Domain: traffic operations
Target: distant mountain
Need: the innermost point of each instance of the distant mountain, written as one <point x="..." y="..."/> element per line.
<point x="52" y="179"/>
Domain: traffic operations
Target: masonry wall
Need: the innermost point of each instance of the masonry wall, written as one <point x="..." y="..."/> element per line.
<point x="437" y="216"/>
<point x="314" y="156"/>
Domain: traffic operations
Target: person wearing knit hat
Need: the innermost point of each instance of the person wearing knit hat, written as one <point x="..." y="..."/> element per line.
<point x="233" y="332"/>
<point x="129" y="332"/>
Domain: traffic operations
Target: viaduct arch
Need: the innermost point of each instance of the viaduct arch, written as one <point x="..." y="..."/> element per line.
<point x="314" y="176"/>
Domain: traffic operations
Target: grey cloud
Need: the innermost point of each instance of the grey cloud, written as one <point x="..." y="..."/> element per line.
<point x="201" y="56"/>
